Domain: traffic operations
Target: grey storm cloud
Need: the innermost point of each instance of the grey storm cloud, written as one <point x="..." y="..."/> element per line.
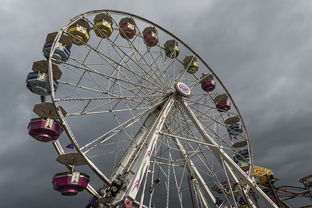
<point x="259" y="49"/>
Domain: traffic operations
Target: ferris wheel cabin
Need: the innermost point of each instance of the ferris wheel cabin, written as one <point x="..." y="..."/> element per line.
<point x="103" y="25"/>
<point x="207" y="82"/>
<point x="47" y="127"/>
<point x="62" y="50"/>
<point x="37" y="81"/>
<point x="70" y="184"/>
<point x="190" y="64"/>
<point x="127" y="28"/>
<point x="171" y="49"/>
<point x="79" y="32"/>
<point x="235" y="129"/>
<point x="44" y="130"/>
<point x="242" y="159"/>
<point x="222" y="103"/>
<point x="150" y="36"/>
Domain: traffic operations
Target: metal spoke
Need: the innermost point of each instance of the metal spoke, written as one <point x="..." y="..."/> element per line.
<point x="109" y="134"/>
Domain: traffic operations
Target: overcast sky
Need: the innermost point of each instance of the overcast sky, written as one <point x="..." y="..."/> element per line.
<point x="261" y="50"/>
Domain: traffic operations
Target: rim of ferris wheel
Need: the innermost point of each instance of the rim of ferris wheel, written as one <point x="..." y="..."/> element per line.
<point x="72" y="158"/>
<point x="43" y="67"/>
<point x="232" y="120"/>
<point x="239" y="144"/>
<point x="48" y="110"/>
<point x="150" y="81"/>
<point x="183" y="89"/>
<point x="220" y="98"/>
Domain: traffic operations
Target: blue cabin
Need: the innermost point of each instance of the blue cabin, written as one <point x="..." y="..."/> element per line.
<point x="38" y="83"/>
<point x="62" y="49"/>
<point x="235" y="129"/>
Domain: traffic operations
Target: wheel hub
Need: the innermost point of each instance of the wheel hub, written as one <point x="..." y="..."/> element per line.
<point x="182" y="89"/>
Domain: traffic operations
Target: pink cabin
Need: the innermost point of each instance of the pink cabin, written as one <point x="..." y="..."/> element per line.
<point x="207" y="83"/>
<point x="223" y="106"/>
<point x="69" y="184"/>
<point x="44" y="130"/>
<point x="222" y="102"/>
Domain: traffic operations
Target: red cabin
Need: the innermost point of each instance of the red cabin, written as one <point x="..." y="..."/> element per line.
<point x="150" y="36"/>
<point x="127" y="28"/>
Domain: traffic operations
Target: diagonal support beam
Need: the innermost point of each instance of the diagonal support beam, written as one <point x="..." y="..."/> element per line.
<point x="195" y="173"/>
<point x="222" y="156"/>
<point x="243" y="192"/>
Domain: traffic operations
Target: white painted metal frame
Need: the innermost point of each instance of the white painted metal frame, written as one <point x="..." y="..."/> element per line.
<point x="137" y="159"/>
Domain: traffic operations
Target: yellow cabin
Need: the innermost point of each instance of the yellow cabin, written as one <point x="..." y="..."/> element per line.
<point x="79" y="32"/>
<point x="103" y="25"/>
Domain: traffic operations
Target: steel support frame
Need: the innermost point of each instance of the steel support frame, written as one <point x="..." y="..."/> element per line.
<point x="131" y="152"/>
<point x="136" y="161"/>
<point x="222" y="156"/>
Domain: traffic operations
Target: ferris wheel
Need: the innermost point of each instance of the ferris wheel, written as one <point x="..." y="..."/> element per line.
<point x="146" y="121"/>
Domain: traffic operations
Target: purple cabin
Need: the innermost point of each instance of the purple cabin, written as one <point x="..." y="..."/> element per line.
<point x="44" y="130"/>
<point x="69" y="184"/>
